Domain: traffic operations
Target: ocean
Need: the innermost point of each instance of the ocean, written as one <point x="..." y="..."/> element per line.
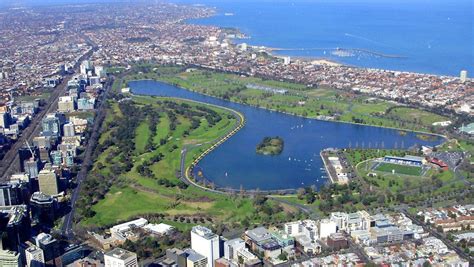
<point x="423" y="36"/>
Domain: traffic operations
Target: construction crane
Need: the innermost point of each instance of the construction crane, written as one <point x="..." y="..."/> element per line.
<point x="31" y="150"/>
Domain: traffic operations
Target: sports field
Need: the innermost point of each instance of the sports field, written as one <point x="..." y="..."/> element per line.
<point x="399" y="169"/>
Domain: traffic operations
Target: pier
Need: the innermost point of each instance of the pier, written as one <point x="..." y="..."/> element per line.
<point x="355" y="50"/>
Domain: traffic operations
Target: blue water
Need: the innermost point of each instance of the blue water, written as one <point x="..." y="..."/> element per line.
<point x="304" y="139"/>
<point x="432" y="36"/>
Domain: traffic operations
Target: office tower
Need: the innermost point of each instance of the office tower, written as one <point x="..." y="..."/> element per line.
<point x="5" y="119"/>
<point x="194" y="259"/>
<point x="13" y="193"/>
<point x="206" y="243"/>
<point x="48" y="182"/>
<point x="34" y="256"/>
<point x="42" y="208"/>
<point x="99" y="71"/>
<point x="72" y="253"/>
<point x="15" y="226"/>
<point x="463" y="76"/>
<point x="56" y="157"/>
<point x="120" y="258"/>
<point x="68" y="158"/>
<point x="49" y="245"/>
<point x="51" y="124"/>
<point x="86" y="103"/>
<point x="32" y="167"/>
<point x="66" y="104"/>
<point x="42" y="142"/>
<point x="10" y="259"/>
<point x="44" y="155"/>
<point x="85" y="67"/>
<point x="24" y="153"/>
<point x="21" y="177"/>
<point x="94" y="80"/>
<point x="68" y="129"/>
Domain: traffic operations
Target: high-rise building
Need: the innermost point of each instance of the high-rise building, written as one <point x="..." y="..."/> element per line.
<point x="85" y="103"/>
<point x="34" y="256"/>
<point x="85" y="67"/>
<point x="68" y="158"/>
<point x="99" y="71"/>
<point x="194" y="259"/>
<point x="48" y="182"/>
<point x="42" y="208"/>
<point x="66" y="104"/>
<point x="42" y="142"/>
<point x="68" y="129"/>
<point x="56" y="157"/>
<point x="49" y="245"/>
<point x="10" y="259"/>
<point x="24" y="153"/>
<point x="51" y="125"/>
<point x="5" y="119"/>
<point x="15" y="226"/>
<point x="206" y="243"/>
<point x="120" y="258"/>
<point x="463" y="76"/>
<point x="32" y="167"/>
<point x="13" y="193"/>
<point x="94" y="80"/>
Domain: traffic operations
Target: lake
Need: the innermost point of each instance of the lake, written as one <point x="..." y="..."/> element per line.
<point x="235" y="163"/>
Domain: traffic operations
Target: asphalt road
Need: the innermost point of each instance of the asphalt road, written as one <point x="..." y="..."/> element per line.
<point x="68" y="219"/>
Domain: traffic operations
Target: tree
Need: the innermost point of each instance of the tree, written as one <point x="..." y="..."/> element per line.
<point x="283" y="256"/>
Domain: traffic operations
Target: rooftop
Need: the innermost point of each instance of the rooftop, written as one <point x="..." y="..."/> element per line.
<point x="203" y="232"/>
<point x="121" y="254"/>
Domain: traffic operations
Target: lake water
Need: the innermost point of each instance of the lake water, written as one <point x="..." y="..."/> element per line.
<point x="235" y="163"/>
<point x="431" y="36"/>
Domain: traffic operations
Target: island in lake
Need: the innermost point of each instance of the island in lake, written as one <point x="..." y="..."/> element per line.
<point x="270" y="146"/>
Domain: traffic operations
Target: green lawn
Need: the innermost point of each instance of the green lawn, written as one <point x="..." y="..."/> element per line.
<point x="142" y="135"/>
<point x="300" y="99"/>
<point x="399" y="169"/>
<point x="138" y="194"/>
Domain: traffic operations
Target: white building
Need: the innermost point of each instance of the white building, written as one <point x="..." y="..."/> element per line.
<point x="66" y="104"/>
<point x="307" y="228"/>
<point x="206" y="243"/>
<point x="463" y="76"/>
<point x="231" y="247"/>
<point x="340" y="218"/>
<point x="120" y="258"/>
<point x="326" y="228"/>
<point x="34" y="256"/>
<point x="159" y="229"/>
<point x="69" y="129"/>
<point x="99" y="71"/>
<point x="138" y="223"/>
<point x="194" y="259"/>
<point x="9" y="259"/>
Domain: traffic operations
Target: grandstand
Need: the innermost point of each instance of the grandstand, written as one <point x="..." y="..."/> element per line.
<point x="407" y="160"/>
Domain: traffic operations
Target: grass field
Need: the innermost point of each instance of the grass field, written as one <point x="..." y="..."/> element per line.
<point x="399" y="169"/>
<point x="137" y="194"/>
<point x="300" y="99"/>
